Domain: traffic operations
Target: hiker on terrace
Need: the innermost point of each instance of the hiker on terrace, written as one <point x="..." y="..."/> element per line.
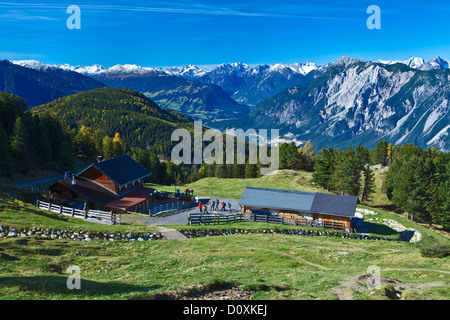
<point x="223" y="206"/>
<point x="200" y="206"/>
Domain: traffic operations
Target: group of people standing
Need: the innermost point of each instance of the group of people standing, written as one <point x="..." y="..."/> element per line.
<point x="214" y="206"/>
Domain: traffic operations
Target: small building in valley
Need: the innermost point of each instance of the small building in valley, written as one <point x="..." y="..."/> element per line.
<point x="115" y="184"/>
<point x="312" y="206"/>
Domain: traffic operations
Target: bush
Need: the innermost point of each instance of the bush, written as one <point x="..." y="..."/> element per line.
<point x="440" y="251"/>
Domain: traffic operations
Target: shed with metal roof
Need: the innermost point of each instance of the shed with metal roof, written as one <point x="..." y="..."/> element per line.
<point x="309" y="205"/>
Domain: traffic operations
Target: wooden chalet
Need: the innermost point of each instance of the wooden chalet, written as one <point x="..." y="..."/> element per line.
<point x="308" y="205"/>
<point x="115" y="184"/>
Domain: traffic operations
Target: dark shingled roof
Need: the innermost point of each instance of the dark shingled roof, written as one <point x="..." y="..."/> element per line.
<point x="121" y="170"/>
<point x="309" y="202"/>
<point x="334" y="204"/>
<point x="91" y="190"/>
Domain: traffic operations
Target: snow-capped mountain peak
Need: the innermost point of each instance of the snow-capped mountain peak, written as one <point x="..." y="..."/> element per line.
<point x="32" y="64"/>
<point x="89" y="70"/>
<point x="414" y="62"/>
<point x="304" y="68"/>
<point x="420" y="63"/>
<point x="190" y="71"/>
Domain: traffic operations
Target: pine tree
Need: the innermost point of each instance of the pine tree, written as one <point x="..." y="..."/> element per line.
<point x="347" y="174"/>
<point x="324" y="168"/>
<point x="83" y="143"/>
<point x="221" y="171"/>
<point x="307" y="152"/>
<point x="292" y="156"/>
<point x="379" y="154"/>
<point x="238" y="170"/>
<point x="251" y="170"/>
<point x="107" y="147"/>
<point x="362" y="156"/>
<point x="6" y="164"/>
<point x="369" y="184"/>
<point x="19" y="149"/>
<point x="44" y="149"/>
<point x="66" y="158"/>
<point x="443" y="213"/>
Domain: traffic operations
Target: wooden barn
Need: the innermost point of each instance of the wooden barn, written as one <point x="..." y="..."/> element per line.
<point x="308" y="205"/>
<point x="115" y="184"/>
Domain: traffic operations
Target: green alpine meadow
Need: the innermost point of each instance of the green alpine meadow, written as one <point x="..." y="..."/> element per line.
<point x="224" y="159"/>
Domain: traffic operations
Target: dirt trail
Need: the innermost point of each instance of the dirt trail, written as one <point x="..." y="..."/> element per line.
<point x="300" y="260"/>
<point x="344" y="291"/>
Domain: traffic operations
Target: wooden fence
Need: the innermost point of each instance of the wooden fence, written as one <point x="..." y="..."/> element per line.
<point x="294" y="221"/>
<point x="198" y="218"/>
<point x="90" y="215"/>
<point x="165" y="207"/>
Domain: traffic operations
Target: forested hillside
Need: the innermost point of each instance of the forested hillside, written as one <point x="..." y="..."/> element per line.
<point x="107" y="111"/>
<point x="28" y="141"/>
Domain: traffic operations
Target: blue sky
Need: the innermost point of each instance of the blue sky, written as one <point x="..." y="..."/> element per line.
<point x="179" y="32"/>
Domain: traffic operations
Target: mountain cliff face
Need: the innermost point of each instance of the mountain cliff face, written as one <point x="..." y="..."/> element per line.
<point x="356" y="102"/>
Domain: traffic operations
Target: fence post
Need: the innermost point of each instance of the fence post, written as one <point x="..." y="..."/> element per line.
<point x="73" y="212"/>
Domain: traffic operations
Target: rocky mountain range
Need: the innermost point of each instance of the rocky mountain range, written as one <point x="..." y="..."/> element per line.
<point x="356" y="102"/>
<point x="343" y="103"/>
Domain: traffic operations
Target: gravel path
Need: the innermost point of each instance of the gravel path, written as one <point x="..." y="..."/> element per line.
<point x="180" y="216"/>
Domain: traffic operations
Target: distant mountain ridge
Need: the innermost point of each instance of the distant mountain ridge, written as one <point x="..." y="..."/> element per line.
<point x="246" y="84"/>
<point x="38" y="86"/>
<point x="343" y="103"/>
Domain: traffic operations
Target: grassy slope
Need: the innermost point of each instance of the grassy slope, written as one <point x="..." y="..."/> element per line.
<point x="284" y="179"/>
<point x="276" y="266"/>
<point x="19" y="214"/>
<point x="233" y="188"/>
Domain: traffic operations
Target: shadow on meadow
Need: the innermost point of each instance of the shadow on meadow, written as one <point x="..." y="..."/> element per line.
<point x="57" y="285"/>
<point x="376" y="228"/>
